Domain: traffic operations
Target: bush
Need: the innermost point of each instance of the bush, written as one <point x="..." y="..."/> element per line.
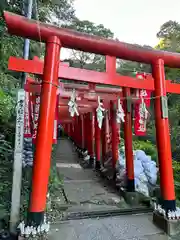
<point x="55" y="184"/>
<point x="150" y="149"/>
<point x="6" y="156"/>
<point x="6" y="173"/>
<point x="176" y="168"/>
<point x="147" y="147"/>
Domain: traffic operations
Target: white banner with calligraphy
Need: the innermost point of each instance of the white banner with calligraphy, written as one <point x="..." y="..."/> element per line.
<point x="27" y="116"/>
<point x="36" y="102"/>
<point x="35" y="117"/>
<point x="19" y="136"/>
<point x="56" y="120"/>
<point x="140" y="121"/>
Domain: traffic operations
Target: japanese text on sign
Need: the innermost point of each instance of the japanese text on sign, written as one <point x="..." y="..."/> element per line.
<point x="36" y="117"/>
<point x="20" y="121"/>
<point x="27" y="126"/>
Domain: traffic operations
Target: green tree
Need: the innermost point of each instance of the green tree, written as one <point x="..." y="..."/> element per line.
<point x="129" y="68"/>
<point x="10" y="81"/>
<point x="56" y="12"/>
<point x="88" y="60"/>
<point x="169" y="35"/>
<point x="169" y="40"/>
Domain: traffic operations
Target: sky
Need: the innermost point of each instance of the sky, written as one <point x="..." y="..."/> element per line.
<point x="132" y="21"/>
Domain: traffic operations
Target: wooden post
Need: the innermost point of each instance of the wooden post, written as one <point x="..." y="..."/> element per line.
<point x="17" y="168"/>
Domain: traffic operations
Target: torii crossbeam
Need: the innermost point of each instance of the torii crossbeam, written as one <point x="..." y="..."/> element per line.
<point x="66" y="72"/>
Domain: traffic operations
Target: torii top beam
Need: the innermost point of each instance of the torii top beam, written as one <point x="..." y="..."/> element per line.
<point x="21" y="26"/>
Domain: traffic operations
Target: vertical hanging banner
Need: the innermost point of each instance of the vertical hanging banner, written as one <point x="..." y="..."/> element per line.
<point x="144" y="102"/>
<point x="109" y="132"/>
<point x="56" y="120"/>
<point x="55" y="132"/>
<point x="35" y="117"/>
<point x="35" y="105"/>
<point x="31" y="103"/>
<point x="32" y="100"/>
<point x="27" y="117"/>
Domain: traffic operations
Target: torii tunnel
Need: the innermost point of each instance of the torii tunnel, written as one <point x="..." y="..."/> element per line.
<point x="56" y="38"/>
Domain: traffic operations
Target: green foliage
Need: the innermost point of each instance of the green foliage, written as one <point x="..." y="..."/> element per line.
<point x="176" y="168"/>
<point x="129" y="68"/>
<point x="62" y="11"/>
<point x="147" y="147"/>
<point x="55" y="182"/>
<point x="9" y="83"/>
<point x="88" y="60"/>
<point x="90" y="28"/>
<point x="170" y="36"/>
<point x="55" y="185"/>
<point x="25" y="192"/>
<point x="6" y="106"/>
<point x="6" y="159"/>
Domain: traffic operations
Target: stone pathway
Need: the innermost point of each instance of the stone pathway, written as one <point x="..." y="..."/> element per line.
<point x="116" y="228"/>
<point x="83" y="188"/>
<point x="86" y="192"/>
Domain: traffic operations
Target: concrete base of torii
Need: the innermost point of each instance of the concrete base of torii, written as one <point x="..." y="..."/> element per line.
<point x="171" y="227"/>
<point x="135" y="198"/>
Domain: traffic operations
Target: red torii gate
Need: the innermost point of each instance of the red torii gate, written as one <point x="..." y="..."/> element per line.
<point x="55" y="38"/>
<point x="89" y="104"/>
<point x="113" y="94"/>
<point x="15" y="64"/>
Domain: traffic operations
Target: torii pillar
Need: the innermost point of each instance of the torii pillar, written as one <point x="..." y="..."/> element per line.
<point x="128" y="141"/>
<point x="82" y="131"/>
<point x="97" y="143"/>
<point x="114" y="127"/>
<point x="163" y="137"/>
<point x="42" y="158"/>
<point x="90" y="142"/>
<point x="104" y="146"/>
